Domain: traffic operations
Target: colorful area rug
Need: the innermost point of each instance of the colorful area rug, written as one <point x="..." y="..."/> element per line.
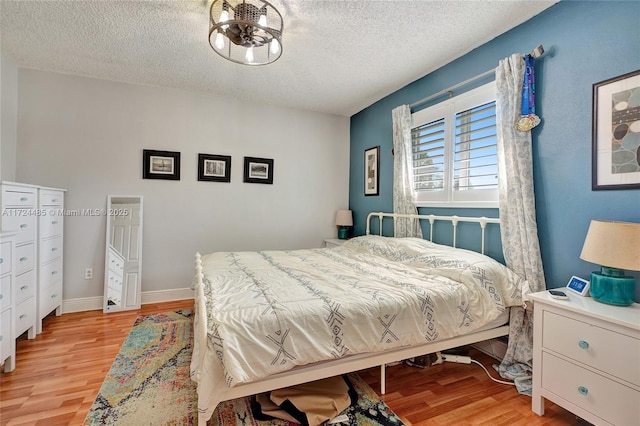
<point x="149" y="384"/>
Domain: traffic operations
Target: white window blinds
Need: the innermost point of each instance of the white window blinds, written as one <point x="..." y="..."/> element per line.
<point x="455" y="152"/>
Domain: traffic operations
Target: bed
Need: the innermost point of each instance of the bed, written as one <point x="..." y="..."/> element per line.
<point x="271" y="319"/>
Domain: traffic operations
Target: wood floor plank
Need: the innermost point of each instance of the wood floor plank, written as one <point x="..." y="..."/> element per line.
<point x="59" y="373"/>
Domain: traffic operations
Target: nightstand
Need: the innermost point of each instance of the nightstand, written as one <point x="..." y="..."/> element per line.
<point x="333" y="242"/>
<point x="585" y="358"/>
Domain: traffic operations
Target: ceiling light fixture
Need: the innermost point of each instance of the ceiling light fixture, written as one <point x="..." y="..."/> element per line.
<point x="247" y="32"/>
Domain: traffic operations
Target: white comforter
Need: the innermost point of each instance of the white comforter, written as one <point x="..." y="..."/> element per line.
<point x="270" y="311"/>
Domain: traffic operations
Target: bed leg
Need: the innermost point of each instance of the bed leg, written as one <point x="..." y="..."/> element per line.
<point x="383" y="379"/>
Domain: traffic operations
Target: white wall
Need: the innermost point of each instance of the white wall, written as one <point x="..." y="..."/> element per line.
<point x="8" y="117"/>
<point x="87" y="136"/>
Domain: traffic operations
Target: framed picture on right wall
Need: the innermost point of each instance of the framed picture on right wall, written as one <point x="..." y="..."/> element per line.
<point x="371" y="169"/>
<point x="616" y="133"/>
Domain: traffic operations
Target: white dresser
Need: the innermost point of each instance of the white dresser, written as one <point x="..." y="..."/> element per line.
<point x="7" y="342"/>
<point x="18" y="214"/>
<point x="586" y="358"/>
<point x="333" y="242"/>
<point x="33" y="277"/>
<point x="50" y="239"/>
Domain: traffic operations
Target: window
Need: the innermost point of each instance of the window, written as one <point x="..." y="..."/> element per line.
<point x="455" y="161"/>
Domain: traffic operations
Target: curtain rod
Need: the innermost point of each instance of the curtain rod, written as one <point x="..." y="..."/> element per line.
<point x="536" y="53"/>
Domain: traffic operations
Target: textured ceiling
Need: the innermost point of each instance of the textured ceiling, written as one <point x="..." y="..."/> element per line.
<point x="338" y="56"/>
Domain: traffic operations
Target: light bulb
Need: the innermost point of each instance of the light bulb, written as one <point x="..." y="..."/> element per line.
<point x="219" y="43"/>
<point x="262" y="21"/>
<point x="275" y="47"/>
<point x="224" y="17"/>
<point x="249" y="55"/>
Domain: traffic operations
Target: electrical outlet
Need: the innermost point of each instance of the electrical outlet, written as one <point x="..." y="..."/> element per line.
<point x="88" y="274"/>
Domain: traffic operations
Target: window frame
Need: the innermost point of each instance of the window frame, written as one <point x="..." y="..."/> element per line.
<point x="487" y="198"/>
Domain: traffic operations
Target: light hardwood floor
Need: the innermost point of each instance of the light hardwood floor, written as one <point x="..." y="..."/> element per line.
<point x="59" y="374"/>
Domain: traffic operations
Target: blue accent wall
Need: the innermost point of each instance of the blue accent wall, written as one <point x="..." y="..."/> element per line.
<point x="585" y="42"/>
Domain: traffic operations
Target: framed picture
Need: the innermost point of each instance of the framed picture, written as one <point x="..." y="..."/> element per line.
<point x="616" y="133"/>
<point x="258" y="170"/>
<point x="371" y="167"/>
<point x="160" y="165"/>
<point x="214" y="168"/>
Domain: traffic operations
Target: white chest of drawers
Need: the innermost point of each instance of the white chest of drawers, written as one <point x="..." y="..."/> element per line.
<point x="33" y="279"/>
<point x="50" y="239"/>
<point x="586" y="358"/>
<point x="333" y="242"/>
<point x="18" y="206"/>
<point x="7" y="342"/>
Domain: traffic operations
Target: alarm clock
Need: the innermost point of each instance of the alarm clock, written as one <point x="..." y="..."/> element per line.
<point x="579" y="286"/>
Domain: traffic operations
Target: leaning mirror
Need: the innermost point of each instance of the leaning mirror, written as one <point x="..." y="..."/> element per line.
<point x="123" y="253"/>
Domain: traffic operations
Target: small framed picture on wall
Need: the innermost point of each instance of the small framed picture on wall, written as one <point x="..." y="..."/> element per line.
<point x="214" y="168"/>
<point x="160" y="164"/>
<point x="371" y="167"/>
<point x="258" y="170"/>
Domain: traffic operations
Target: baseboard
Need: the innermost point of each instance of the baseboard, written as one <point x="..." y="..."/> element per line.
<point x="82" y="304"/>
<point x="495" y="348"/>
<point x="166" y="295"/>
<point x="96" y="303"/>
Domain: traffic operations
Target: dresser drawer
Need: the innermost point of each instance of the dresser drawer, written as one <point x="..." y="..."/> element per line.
<point x="5" y="258"/>
<point x="25" y="316"/>
<point x="600" y="396"/>
<point x="50" y="249"/>
<point x="24" y="258"/>
<point x="5" y="292"/>
<point x="51" y="225"/>
<point x="25" y="286"/>
<point x="50" y="273"/>
<point x="50" y="299"/>
<point x="593" y="346"/>
<point x="51" y="198"/>
<point x="16" y="196"/>
<point x="24" y="224"/>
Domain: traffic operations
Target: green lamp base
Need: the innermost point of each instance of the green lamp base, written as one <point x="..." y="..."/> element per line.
<point x="343" y="233"/>
<point x="610" y="286"/>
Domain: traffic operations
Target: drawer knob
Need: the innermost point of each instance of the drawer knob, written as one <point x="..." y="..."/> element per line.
<point x="54" y="272"/>
<point x="583" y="390"/>
<point x="23" y="225"/>
<point x="24" y="287"/>
<point x="23" y="258"/>
<point x="0" y="338"/>
<point x="23" y="198"/>
<point x="53" y="296"/>
<point x="1" y="260"/>
<point x="23" y="316"/>
<point x="54" y="249"/>
<point x="55" y="222"/>
<point x="1" y="297"/>
<point x="583" y="344"/>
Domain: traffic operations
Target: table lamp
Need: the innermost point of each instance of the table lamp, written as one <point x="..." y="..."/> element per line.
<point x="344" y="220"/>
<point x="614" y="246"/>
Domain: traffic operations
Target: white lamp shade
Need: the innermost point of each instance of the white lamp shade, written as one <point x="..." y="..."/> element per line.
<point x="344" y="218"/>
<point x="613" y="244"/>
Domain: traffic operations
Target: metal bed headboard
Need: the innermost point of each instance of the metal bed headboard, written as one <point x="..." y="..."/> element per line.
<point x="482" y="221"/>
